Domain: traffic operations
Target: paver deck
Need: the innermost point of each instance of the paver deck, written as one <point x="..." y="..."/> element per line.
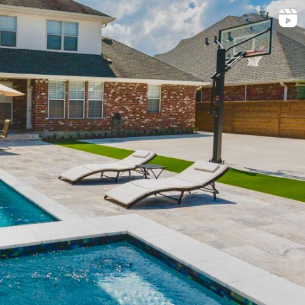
<point x="273" y="156"/>
<point x="264" y="230"/>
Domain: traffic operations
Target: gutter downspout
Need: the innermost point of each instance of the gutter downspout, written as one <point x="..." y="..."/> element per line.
<point x="285" y="90"/>
<point x="246" y="92"/>
<point x="280" y="108"/>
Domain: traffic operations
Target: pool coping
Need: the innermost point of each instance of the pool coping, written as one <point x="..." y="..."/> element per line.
<point x="56" y="210"/>
<point x="246" y="280"/>
<point x="258" y="285"/>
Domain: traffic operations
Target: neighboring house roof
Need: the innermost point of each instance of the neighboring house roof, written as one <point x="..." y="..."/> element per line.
<point x="287" y="60"/>
<point x="125" y="63"/>
<point x="55" y="5"/>
<point x="130" y="63"/>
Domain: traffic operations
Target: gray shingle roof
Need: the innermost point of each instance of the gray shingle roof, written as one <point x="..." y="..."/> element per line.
<point x="287" y="60"/>
<point x="130" y="63"/>
<point x="53" y="63"/>
<point x="55" y="5"/>
<point x="125" y="63"/>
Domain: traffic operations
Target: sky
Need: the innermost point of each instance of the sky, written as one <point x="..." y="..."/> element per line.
<point x="157" y="26"/>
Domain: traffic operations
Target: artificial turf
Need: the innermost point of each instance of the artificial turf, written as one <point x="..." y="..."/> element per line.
<point x="172" y="164"/>
<point x="282" y="187"/>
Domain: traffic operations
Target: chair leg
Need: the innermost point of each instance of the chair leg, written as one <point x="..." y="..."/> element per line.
<point x="215" y="191"/>
<point x="117" y="177"/>
<point x="102" y="174"/>
<point x="181" y="197"/>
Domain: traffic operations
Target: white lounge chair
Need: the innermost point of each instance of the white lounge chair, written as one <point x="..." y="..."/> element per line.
<point x="128" y="164"/>
<point x="200" y="176"/>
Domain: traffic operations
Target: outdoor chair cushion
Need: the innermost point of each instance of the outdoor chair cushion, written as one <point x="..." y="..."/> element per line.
<point x="141" y="153"/>
<point x="206" y="166"/>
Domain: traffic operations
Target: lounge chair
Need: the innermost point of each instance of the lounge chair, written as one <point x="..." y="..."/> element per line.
<point x="200" y="176"/>
<point x="128" y="164"/>
<point x="4" y="133"/>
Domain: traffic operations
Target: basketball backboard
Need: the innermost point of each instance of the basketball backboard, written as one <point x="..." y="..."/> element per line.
<point x="231" y="39"/>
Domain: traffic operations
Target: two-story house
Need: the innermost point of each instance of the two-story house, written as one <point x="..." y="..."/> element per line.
<point x="52" y="50"/>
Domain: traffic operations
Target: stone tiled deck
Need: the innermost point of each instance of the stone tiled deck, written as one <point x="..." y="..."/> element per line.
<point x="266" y="231"/>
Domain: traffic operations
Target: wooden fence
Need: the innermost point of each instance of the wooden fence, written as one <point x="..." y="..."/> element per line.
<point x="265" y="118"/>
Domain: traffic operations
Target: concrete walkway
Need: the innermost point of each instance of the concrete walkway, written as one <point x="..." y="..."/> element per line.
<point x="273" y="156"/>
<point x="266" y="231"/>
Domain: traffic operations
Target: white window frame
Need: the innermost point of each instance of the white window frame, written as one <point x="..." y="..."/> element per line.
<point x="64" y="101"/>
<point x="160" y="99"/>
<point x="62" y="49"/>
<point x="84" y="99"/>
<point x="10" y="31"/>
<point x="102" y="100"/>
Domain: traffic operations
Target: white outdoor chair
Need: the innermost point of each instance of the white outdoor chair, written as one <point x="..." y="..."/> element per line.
<point x="200" y="176"/>
<point x="128" y="164"/>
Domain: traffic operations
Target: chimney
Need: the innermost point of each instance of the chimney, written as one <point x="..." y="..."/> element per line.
<point x="263" y="13"/>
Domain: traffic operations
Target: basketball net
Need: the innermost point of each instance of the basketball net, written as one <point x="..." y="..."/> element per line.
<point x="254" y="61"/>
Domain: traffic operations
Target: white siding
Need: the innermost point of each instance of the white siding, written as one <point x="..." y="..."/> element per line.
<point x="32" y="32"/>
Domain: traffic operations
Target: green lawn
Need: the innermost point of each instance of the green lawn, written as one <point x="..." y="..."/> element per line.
<point x="287" y="188"/>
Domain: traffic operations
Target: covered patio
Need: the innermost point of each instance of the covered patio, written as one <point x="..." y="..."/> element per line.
<point x="17" y="109"/>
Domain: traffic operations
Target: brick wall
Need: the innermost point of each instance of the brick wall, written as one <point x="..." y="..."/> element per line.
<point x="40" y="103"/>
<point x="255" y="92"/>
<point x="130" y="100"/>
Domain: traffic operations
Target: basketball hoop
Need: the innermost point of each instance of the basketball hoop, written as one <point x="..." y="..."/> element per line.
<point x="254" y="58"/>
<point x="254" y="61"/>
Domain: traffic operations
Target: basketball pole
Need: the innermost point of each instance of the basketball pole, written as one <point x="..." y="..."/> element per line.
<point x="218" y="111"/>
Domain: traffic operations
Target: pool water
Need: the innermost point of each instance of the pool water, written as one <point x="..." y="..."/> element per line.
<point x="17" y="210"/>
<point x="116" y="274"/>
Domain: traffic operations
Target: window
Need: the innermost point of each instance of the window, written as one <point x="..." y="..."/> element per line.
<point x="76" y="100"/>
<point x="54" y="35"/>
<point x="6" y="105"/>
<point x="70" y="36"/>
<point x="301" y="92"/>
<point x="154" y="99"/>
<point x="5" y="109"/>
<point x="8" y="31"/>
<point x="95" y="100"/>
<point x="57" y="91"/>
<point x="62" y="35"/>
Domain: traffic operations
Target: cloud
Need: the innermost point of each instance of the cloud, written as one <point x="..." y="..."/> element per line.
<point x="158" y="26"/>
<point x="154" y="26"/>
<point x="274" y="8"/>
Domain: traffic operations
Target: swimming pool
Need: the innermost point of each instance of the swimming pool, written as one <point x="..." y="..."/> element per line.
<point x="115" y="274"/>
<point x="17" y="210"/>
